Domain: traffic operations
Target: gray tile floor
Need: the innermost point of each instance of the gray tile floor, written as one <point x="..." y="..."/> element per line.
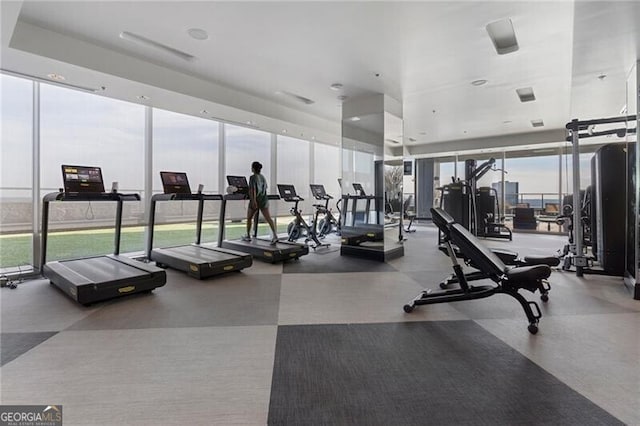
<point x="202" y="352"/>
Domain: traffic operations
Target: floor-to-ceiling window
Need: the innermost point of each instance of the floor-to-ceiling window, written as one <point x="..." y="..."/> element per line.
<point x="326" y="167"/>
<point x="293" y="169"/>
<point x="183" y="143"/>
<point x="16" y="153"/>
<point x="326" y="170"/>
<point x="78" y="128"/>
<point x="243" y="146"/>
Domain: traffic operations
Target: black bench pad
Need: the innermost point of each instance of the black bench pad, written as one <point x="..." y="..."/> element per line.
<point x="542" y="260"/>
<point x="528" y="274"/>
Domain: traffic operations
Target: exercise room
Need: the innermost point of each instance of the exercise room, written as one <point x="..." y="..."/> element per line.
<point x="319" y="213"/>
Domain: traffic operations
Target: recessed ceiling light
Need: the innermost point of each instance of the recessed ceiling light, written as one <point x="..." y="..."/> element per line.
<point x="503" y="36"/>
<point x="198" y="33"/>
<point x="479" y="82"/>
<point x="601" y="77"/>
<point x="56" y="77"/>
<point x="342" y="98"/>
<point x="526" y="94"/>
<point x="204" y="112"/>
<point x="537" y="123"/>
<point x="412" y="140"/>
<point x="284" y="130"/>
<point x="336" y="86"/>
<point x="250" y="123"/>
<point x="143" y="97"/>
<point x="355" y="119"/>
<point x="313" y="138"/>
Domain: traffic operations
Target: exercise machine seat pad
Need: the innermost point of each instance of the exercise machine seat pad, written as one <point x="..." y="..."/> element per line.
<point x="527" y="274"/>
<point x="542" y="260"/>
<point x="508" y="257"/>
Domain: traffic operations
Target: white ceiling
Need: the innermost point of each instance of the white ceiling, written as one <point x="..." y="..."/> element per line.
<point x="426" y="55"/>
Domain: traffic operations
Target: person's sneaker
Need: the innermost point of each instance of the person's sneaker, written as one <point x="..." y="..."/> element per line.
<point x="246" y="238"/>
<point x="274" y="241"/>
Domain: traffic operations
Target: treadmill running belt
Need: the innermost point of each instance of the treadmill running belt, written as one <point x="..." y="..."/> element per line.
<point x="197" y="254"/>
<point x="101" y="269"/>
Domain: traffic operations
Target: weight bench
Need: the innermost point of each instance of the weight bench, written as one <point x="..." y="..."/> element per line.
<point x="509" y="258"/>
<point x="508" y="280"/>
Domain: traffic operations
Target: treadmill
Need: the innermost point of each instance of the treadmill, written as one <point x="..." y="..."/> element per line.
<point x="358" y="230"/>
<point x="94" y="279"/>
<point x="259" y="248"/>
<point x="197" y="260"/>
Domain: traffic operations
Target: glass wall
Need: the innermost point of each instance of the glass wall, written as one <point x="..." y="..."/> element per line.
<point x="183" y="143"/>
<point x="78" y="128"/>
<point x="326" y="168"/>
<point x="243" y="147"/>
<point x="532" y="181"/>
<point x="293" y="169"/>
<point x="16" y="153"/>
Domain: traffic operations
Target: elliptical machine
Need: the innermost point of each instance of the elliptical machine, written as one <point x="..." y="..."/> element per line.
<point x="299" y="227"/>
<point x="328" y="223"/>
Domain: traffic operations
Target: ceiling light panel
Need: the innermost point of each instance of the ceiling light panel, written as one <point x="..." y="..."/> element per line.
<point x="503" y="36"/>
<point x="526" y="94"/>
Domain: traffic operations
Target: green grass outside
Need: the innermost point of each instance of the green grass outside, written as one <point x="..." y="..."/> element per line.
<point x="15" y="249"/>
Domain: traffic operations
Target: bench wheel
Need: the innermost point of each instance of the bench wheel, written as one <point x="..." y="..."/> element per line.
<point x="444" y="285"/>
<point x="533" y="328"/>
<point x="408" y="308"/>
<point x="544" y="297"/>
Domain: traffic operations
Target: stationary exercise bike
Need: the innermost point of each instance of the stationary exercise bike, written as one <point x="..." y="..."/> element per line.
<point x="328" y="223"/>
<point x="299" y="227"/>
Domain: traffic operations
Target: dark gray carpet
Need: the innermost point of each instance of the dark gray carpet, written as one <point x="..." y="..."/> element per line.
<point x="324" y="261"/>
<point x="12" y="345"/>
<point x="436" y="373"/>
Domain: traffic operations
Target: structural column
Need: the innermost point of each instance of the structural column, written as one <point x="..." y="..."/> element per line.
<point x="371" y="135"/>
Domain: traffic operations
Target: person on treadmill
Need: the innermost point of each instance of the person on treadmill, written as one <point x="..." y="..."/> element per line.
<point x="258" y="200"/>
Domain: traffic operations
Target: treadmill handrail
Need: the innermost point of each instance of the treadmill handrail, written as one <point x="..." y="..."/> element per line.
<point x="196" y="196"/>
<point x="186" y="197"/>
<point x="223" y="212"/>
<point x="78" y="197"/>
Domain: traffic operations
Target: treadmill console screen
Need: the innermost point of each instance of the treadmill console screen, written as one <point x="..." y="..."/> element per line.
<point x="318" y="191"/>
<point x="359" y="189"/>
<point x="287" y="191"/>
<point x="239" y="182"/>
<point x="175" y="183"/>
<point x="82" y="179"/>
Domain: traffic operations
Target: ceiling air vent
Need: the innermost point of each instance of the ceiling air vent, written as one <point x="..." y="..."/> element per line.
<point x="146" y="42"/>
<point x="526" y="94"/>
<point x="298" y="98"/>
<point x="503" y="36"/>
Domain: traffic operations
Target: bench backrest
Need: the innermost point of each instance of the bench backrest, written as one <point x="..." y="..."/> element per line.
<point x="482" y="258"/>
<point x="441" y="219"/>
